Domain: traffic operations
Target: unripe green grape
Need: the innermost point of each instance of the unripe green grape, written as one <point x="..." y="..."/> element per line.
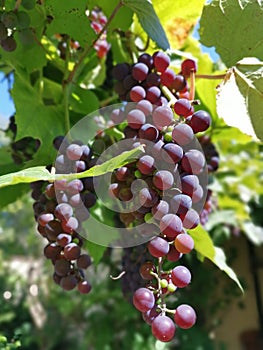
<point x="23" y="20"/>
<point x="26" y="37"/>
<point x="9" y="44"/>
<point x="3" y="31"/>
<point x="28" y="4"/>
<point x="9" y="19"/>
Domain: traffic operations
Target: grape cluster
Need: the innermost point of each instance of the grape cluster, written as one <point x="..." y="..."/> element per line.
<point x="24" y="149"/>
<point x="98" y="21"/>
<point x="60" y="208"/>
<point x="16" y="21"/>
<point x="170" y="179"/>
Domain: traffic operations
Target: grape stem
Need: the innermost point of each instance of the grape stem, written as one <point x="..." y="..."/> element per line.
<point x="192" y="85"/>
<point x="209" y="76"/>
<point x="17" y="4"/>
<point x="66" y="89"/>
<point x="89" y="47"/>
<point x="169" y="311"/>
<point x="169" y="95"/>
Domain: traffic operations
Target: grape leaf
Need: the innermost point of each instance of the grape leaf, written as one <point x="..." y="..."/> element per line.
<point x="204" y="246"/>
<point x="240" y="97"/>
<point x="83" y="101"/>
<point x="31" y="113"/>
<point x="239" y="23"/>
<point x="41" y="173"/>
<point x="10" y="194"/>
<point x="70" y="18"/>
<point x="149" y="21"/>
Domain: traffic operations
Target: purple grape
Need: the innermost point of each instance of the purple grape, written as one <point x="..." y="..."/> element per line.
<point x="68" y="282"/>
<point x="62" y="267"/>
<point x="137" y="93"/>
<point x="193" y="161"/>
<point x="146" y="59"/>
<point x="160" y="209"/>
<point x="72" y="251"/>
<point x="183" y="107"/>
<point x="200" y="121"/>
<point x="153" y="94"/>
<point x="143" y="299"/>
<point x="84" y="287"/>
<point x="162" y="117"/>
<point x="163" y="180"/>
<point x="191" y="219"/>
<point x="74" y="151"/>
<point x="161" y="61"/>
<point x="140" y="71"/>
<point x="148" y="197"/>
<point x="158" y="247"/>
<point x="185" y="316"/>
<point x="163" y="328"/>
<point x="148" y="132"/>
<point x="120" y="71"/>
<point x="70" y="225"/>
<point x="63" y="211"/>
<point x="136" y="119"/>
<point x="171" y="225"/>
<point x="181" y="276"/>
<point x="182" y="134"/>
<point x="146" y="164"/>
<point x="168" y="77"/>
<point x="181" y="203"/>
<point x="172" y="153"/>
<point x="153" y="79"/>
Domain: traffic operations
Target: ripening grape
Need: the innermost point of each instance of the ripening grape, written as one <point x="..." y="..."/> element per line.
<point x="182" y="134"/>
<point x="84" y="287"/>
<point x="147" y="197"/>
<point x="161" y="61"/>
<point x="72" y="251"/>
<point x="181" y="276"/>
<point x="153" y="94"/>
<point x="188" y="66"/>
<point x="173" y="254"/>
<point x="145" y="106"/>
<point x="146" y="164"/>
<point x="148" y="132"/>
<point x="163" y="179"/>
<point x="158" y="247"/>
<point x="136" y="118"/>
<point x="68" y="282"/>
<point x="168" y="77"/>
<point x="62" y="267"/>
<point x="172" y="153"/>
<point x="179" y="83"/>
<point x="84" y="261"/>
<point x="163" y="328"/>
<point x="162" y="116"/>
<point x="190" y="219"/>
<point x="189" y="184"/>
<point x="146" y="269"/>
<point x="184" y="243"/>
<point x="63" y="211"/>
<point x="200" y="121"/>
<point x="153" y="79"/>
<point x="193" y="161"/>
<point x="171" y="225"/>
<point x="181" y="203"/>
<point x="183" y="107"/>
<point x="197" y="194"/>
<point x="70" y="225"/>
<point x="9" y="44"/>
<point x="137" y="93"/>
<point x="140" y="71"/>
<point x="160" y="209"/>
<point x="9" y="19"/>
<point x="185" y="316"/>
<point x="143" y="299"/>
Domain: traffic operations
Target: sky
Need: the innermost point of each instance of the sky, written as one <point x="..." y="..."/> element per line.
<point x="6" y="104"/>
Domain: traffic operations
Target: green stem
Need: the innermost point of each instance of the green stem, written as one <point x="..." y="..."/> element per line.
<point x="66" y="90"/>
<point x="169" y="95"/>
<point x="89" y="47"/>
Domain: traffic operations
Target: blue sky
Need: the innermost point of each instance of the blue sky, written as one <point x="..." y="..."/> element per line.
<point x="6" y="104"/>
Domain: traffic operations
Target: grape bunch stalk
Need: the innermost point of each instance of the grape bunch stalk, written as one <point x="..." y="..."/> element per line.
<point x="161" y="115"/>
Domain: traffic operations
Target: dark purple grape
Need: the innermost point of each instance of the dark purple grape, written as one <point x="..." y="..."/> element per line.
<point x="160" y="209"/>
<point x="62" y="267"/>
<point x="193" y="161"/>
<point x="146" y="164"/>
<point x="189" y="184"/>
<point x="179" y="83"/>
<point x="83" y="261"/>
<point x="188" y="66"/>
<point x="168" y="77"/>
<point x="9" y="44"/>
<point x="191" y="219"/>
<point x="183" y="107"/>
<point x="181" y="203"/>
<point x="150" y="315"/>
<point x="52" y="251"/>
<point x="182" y="134"/>
<point x="145" y="106"/>
<point x="136" y="118"/>
<point x="84" y="287"/>
<point x="120" y="71"/>
<point x="200" y="121"/>
<point x="72" y="251"/>
<point x="53" y="229"/>
<point x="70" y="225"/>
<point x="173" y="254"/>
<point x="140" y="71"/>
<point x="148" y="132"/>
<point x="137" y="93"/>
<point x="146" y="59"/>
<point x="153" y="94"/>
<point x="68" y="282"/>
<point x="148" y="197"/>
<point x="63" y="239"/>
<point x="172" y="153"/>
<point x="74" y="151"/>
<point x="45" y="218"/>
<point x="153" y="79"/>
<point x="63" y="211"/>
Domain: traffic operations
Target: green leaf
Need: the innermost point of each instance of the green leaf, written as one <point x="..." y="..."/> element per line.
<point x="149" y="21"/>
<point x="96" y="251"/>
<point x="11" y="194"/>
<point x="243" y="107"/>
<point x="234" y="27"/>
<point x="70" y="18"/>
<point x="204" y="246"/>
<point x="31" y="113"/>
<point x="83" y="101"/>
<point x="41" y="173"/>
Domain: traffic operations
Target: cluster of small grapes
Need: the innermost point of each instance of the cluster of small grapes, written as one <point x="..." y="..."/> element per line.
<point x="24" y="149"/>
<point x="132" y="258"/>
<point x="98" y="21"/>
<point x="170" y="173"/>
<point x="16" y="21"/>
<point x="60" y="208"/>
<point x="143" y="80"/>
<point x="210" y="152"/>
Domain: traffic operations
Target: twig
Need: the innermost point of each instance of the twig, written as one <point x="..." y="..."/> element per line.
<point x="118" y="277"/>
<point x="209" y="76"/>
